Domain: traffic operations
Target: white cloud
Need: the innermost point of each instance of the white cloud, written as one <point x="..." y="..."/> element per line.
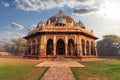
<point x="36" y="5"/>
<point x="106" y="30"/>
<point x="5" y="4"/>
<point x="85" y="11"/>
<point x="7" y="36"/>
<point x="16" y="26"/>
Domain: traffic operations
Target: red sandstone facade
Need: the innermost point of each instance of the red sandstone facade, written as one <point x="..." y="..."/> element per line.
<point x="60" y="35"/>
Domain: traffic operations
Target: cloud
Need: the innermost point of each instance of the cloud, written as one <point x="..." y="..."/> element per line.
<point x="36" y="5"/>
<point x="106" y="30"/>
<point x="16" y="26"/>
<point x="5" y="4"/>
<point x="7" y="36"/>
<point x="83" y="11"/>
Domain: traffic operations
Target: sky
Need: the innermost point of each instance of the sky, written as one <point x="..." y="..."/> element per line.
<point x="17" y="16"/>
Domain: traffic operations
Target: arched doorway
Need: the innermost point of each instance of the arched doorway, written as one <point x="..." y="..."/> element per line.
<point x="60" y="48"/>
<point x="83" y="46"/>
<point x="49" y="47"/>
<point x="87" y="47"/>
<point x="71" y="47"/>
<point x="92" y="53"/>
<point x="33" y="47"/>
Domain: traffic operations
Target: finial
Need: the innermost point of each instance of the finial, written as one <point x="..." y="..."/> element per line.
<point x="28" y="30"/>
<point x="91" y="30"/>
<point x="60" y="10"/>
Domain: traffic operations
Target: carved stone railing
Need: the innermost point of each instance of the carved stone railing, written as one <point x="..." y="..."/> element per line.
<point x="60" y="29"/>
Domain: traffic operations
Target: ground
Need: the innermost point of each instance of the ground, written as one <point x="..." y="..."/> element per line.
<point x="18" y="69"/>
<point x="22" y="69"/>
<point x="98" y="70"/>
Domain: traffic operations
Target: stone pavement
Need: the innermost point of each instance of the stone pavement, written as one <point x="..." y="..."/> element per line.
<point x="59" y="70"/>
<point x="58" y="73"/>
<point x="60" y="64"/>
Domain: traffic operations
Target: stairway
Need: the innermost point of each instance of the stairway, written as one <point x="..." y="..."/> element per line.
<point x="60" y="58"/>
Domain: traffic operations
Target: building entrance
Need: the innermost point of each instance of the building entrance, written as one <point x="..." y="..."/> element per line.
<point x="60" y="47"/>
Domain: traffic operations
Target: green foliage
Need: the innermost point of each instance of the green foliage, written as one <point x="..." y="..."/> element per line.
<point x="16" y="45"/>
<point x="109" y="46"/>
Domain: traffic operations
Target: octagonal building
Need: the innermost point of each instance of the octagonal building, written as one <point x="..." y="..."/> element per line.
<point x="60" y="35"/>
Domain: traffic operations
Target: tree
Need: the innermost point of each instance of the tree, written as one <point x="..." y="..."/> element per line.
<point x="16" y="45"/>
<point x="109" y="46"/>
<point x="2" y="43"/>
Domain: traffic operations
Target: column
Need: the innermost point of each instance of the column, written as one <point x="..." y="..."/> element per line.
<point x="45" y="44"/>
<point x="75" y="44"/>
<point x="54" y="43"/>
<point x="35" y="46"/>
<point x="38" y="44"/>
<point x="81" y="49"/>
<point x="85" y="48"/>
<point x="96" y="50"/>
<point x="66" y="45"/>
<point x="42" y="46"/>
<point x="78" y="50"/>
<point x="31" y="45"/>
<point x="90" y="48"/>
<point x="80" y="46"/>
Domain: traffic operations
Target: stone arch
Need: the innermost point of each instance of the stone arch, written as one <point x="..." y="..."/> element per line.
<point x="83" y="46"/>
<point x="71" y="47"/>
<point x="92" y="48"/>
<point x="38" y="46"/>
<point x="33" y="47"/>
<point x="87" y="48"/>
<point x="49" y="47"/>
<point x="60" y="47"/>
<point x="29" y="50"/>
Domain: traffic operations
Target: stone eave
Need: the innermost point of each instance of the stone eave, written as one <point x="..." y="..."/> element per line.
<point x="73" y="32"/>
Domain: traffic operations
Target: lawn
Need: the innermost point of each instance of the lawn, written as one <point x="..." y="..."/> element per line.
<point x="18" y="69"/>
<point x="98" y="70"/>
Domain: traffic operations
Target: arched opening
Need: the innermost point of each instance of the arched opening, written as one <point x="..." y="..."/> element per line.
<point x="33" y="45"/>
<point x="83" y="46"/>
<point x="60" y="48"/>
<point x="71" y="47"/>
<point x="49" y="48"/>
<point x="87" y="48"/>
<point x="38" y="46"/>
<point x="92" y="49"/>
<point x="29" y="50"/>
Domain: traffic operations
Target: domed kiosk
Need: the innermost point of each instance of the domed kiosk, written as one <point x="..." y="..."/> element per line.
<point x="61" y="35"/>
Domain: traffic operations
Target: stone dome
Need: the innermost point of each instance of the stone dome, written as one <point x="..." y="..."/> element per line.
<point x="61" y="18"/>
<point x="81" y="24"/>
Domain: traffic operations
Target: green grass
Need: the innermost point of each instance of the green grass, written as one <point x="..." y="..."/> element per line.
<point x="16" y="69"/>
<point x="98" y="70"/>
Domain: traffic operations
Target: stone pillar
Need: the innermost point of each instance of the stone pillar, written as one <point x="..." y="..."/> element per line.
<point x="66" y="45"/>
<point x="35" y="46"/>
<point x="85" y="49"/>
<point x="31" y="45"/>
<point x="95" y="50"/>
<point x="54" y="45"/>
<point x="42" y="47"/>
<point x="45" y="44"/>
<point x="90" y="48"/>
<point x="42" y="50"/>
<point x="75" y="44"/>
<point x="78" y="50"/>
<point x="39" y="50"/>
<point x="38" y="46"/>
